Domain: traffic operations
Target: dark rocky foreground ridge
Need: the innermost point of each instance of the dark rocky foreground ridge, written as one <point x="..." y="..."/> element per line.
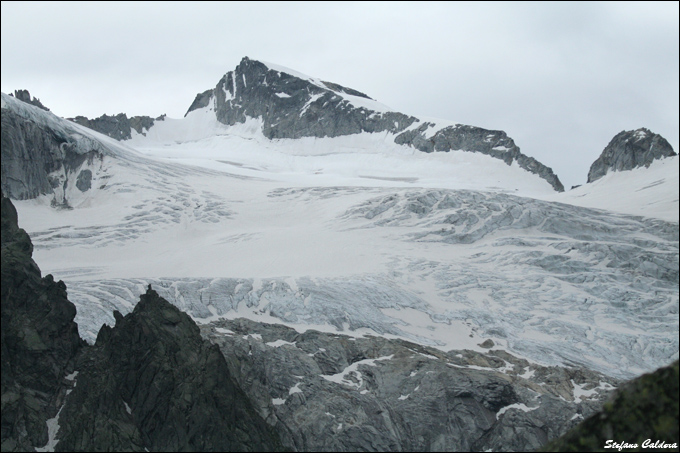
<point x="629" y="150"/>
<point x="152" y="382"/>
<point x="40" y="341"/>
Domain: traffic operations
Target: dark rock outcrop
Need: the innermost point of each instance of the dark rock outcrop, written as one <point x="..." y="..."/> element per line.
<point x="643" y="412"/>
<point x="118" y="126"/>
<point x="152" y="382"/>
<point x="292" y="106"/>
<point x="25" y="96"/>
<point x="40" y="341"/>
<point x="42" y="154"/>
<point x="496" y="144"/>
<point x="629" y="150"/>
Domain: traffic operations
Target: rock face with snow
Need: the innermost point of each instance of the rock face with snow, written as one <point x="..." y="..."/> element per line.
<point x="329" y="392"/>
<point x="629" y="150"/>
<point x="292" y="105"/>
<point x="118" y="126"/>
<point x="295" y="106"/>
<point x="42" y="154"/>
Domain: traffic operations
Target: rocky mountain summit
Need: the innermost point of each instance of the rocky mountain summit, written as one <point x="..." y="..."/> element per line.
<point x="292" y="105"/>
<point x="629" y="150"/>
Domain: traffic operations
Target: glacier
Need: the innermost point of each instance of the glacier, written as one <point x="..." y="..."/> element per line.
<point x="362" y="236"/>
<point x="361" y="233"/>
<point x="370" y="278"/>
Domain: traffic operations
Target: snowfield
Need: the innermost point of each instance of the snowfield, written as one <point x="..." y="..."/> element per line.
<point x="358" y="235"/>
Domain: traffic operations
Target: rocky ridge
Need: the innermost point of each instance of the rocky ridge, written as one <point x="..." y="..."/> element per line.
<point x="118" y="126"/>
<point x="25" y="96"/>
<point x="629" y="150"/>
<point x="292" y="105"/>
<point x="150" y="383"/>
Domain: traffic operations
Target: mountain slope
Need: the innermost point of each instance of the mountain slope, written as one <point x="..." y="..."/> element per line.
<point x="283" y="231"/>
<point x="649" y="191"/>
<point x="41" y="155"/>
<point x="344" y="271"/>
<point x="330" y="392"/>
<point x="292" y="105"/>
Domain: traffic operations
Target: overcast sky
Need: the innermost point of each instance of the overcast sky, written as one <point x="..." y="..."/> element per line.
<point x="560" y="78"/>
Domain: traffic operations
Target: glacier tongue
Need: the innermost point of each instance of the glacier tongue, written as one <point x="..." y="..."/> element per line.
<point x="554" y="283"/>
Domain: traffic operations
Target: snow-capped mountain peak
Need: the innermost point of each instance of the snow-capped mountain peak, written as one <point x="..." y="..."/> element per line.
<point x="629" y="150"/>
<point x="291" y="105"/>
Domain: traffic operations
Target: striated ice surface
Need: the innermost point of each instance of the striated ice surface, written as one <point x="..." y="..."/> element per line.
<point x="551" y="282"/>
